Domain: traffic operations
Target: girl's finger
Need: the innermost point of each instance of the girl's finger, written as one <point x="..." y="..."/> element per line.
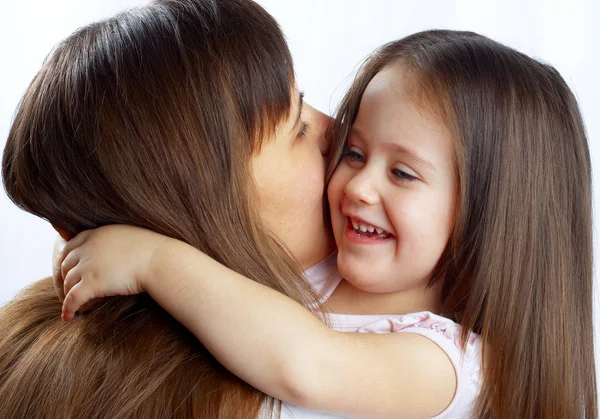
<point x="73" y="278"/>
<point x="67" y="264"/>
<point x="74" y="243"/>
<point x="77" y="297"/>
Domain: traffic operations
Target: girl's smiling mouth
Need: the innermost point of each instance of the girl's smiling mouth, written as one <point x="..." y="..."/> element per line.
<point x="359" y="231"/>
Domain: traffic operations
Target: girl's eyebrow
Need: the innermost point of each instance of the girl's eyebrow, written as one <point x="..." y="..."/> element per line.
<point x="411" y="154"/>
<point x="397" y="148"/>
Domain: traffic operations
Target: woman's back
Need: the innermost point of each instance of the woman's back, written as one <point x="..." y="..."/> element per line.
<point x="126" y="358"/>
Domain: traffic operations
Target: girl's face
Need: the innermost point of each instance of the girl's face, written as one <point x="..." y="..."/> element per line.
<point x="393" y="195"/>
<point x="289" y="174"/>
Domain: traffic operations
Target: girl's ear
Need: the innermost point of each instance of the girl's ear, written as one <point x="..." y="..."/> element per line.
<point x="63" y="233"/>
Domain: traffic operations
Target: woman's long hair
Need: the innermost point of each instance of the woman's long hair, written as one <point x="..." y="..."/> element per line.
<point x="149" y="118"/>
<point x="518" y="268"/>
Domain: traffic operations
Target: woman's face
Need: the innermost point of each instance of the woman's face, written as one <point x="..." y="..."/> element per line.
<point x="289" y="173"/>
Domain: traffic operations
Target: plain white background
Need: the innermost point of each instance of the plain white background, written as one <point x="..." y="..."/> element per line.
<point x="328" y="39"/>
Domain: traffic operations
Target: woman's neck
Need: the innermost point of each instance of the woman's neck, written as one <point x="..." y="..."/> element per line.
<point x="320" y="251"/>
<point x="348" y="299"/>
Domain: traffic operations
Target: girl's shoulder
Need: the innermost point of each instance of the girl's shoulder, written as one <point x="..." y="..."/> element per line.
<point x="446" y="334"/>
<point x="428" y="324"/>
<point x="324" y="276"/>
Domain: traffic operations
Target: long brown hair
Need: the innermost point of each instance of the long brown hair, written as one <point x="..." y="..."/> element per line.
<point x="518" y="268"/>
<point x="149" y="118"/>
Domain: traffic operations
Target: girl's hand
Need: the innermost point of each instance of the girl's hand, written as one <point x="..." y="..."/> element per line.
<point x="57" y="278"/>
<point x="108" y="261"/>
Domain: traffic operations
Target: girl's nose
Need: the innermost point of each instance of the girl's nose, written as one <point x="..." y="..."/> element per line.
<point x="362" y="188"/>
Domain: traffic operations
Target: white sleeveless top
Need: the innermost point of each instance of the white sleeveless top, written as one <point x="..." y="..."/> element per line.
<point x="444" y="332"/>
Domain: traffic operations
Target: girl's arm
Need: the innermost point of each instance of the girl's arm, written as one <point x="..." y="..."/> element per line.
<point x="275" y="344"/>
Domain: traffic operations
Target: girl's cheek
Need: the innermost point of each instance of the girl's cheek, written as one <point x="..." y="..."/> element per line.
<point x="331" y="195"/>
<point x="335" y="188"/>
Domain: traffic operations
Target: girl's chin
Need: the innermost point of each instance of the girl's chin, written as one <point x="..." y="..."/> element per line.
<point x="355" y="269"/>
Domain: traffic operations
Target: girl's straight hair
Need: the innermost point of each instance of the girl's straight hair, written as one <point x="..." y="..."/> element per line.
<point x="518" y="268"/>
<point x="149" y="118"/>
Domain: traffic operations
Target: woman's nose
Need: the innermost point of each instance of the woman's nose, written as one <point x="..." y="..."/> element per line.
<point x="320" y="126"/>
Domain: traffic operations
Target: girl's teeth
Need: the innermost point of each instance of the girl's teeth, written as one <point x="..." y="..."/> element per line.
<point x="363" y="228"/>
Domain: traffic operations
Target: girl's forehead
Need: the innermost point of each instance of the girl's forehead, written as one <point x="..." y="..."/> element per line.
<point x="400" y="77"/>
<point x="390" y="79"/>
<point x="394" y="94"/>
<point x="394" y="84"/>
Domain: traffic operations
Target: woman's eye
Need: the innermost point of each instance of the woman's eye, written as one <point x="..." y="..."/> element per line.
<point x="353" y="156"/>
<point x="303" y="130"/>
<point x="402" y="175"/>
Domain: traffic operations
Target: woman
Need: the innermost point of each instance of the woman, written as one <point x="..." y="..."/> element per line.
<point x="181" y="117"/>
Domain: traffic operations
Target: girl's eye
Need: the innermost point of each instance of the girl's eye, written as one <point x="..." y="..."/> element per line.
<point x="303" y="130"/>
<point x="402" y="175"/>
<point x="353" y="155"/>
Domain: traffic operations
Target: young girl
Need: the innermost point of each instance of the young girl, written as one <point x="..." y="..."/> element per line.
<point x="460" y="201"/>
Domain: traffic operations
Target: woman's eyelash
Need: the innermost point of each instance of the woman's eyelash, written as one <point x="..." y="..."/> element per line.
<point x="303" y="130"/>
